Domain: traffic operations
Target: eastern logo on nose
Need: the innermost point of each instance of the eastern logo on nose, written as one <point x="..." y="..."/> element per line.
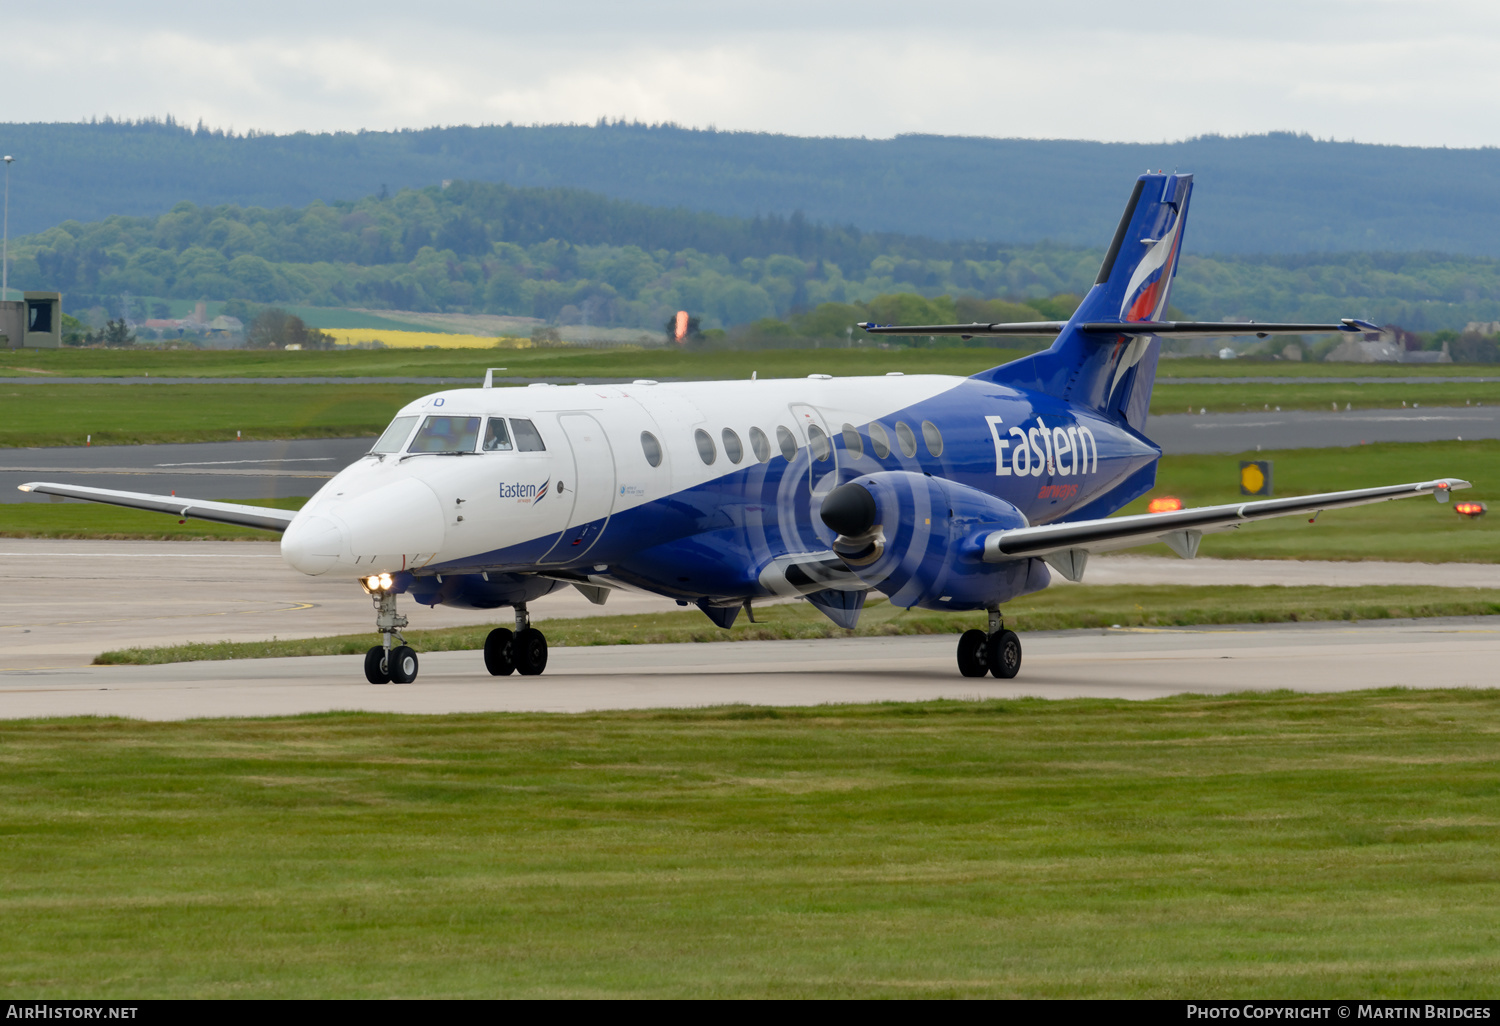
<point x="525" y="494"/>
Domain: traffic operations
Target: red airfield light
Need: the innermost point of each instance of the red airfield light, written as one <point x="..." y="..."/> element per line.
<point x="1165" y="504"/>
<point x="680" y="329"/>
<point x="1469" y="509"/>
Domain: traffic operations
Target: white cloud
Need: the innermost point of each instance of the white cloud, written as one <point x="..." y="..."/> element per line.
<point x="1396" y="71"/>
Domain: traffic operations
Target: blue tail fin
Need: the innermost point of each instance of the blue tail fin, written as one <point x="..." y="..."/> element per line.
<point x="1114" y="373"/>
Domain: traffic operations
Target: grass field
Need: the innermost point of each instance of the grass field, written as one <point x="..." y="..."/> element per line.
<point x="1312" y="395"/>
<point x="61" y="413"/>
<point x="1057" y="608"/>
<point x="628" y="362"/>
<point x="1409" y="530"/>
<point x="1412" y="530"/>
<point x="45" y="415"/>
<point x="568" y="361"/>
<point x="1266" y="846"/>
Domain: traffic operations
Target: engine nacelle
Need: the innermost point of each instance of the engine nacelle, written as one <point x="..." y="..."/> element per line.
<point x="920" y="540"/>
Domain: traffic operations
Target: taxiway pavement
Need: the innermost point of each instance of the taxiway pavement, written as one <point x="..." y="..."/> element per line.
<point x="1131" y="664"/>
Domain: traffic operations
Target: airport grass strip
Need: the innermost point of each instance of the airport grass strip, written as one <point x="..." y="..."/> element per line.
<point x="62" y="413"/>
<point x="1058" y="608"/>
<point x="1258" y="846"/>
<point x="1412" y="530"/>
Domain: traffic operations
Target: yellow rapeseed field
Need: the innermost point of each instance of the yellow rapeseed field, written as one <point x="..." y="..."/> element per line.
<point x="419" y="339"/>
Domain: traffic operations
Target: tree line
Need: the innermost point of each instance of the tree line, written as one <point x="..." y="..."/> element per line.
<point x="570" y="256"/>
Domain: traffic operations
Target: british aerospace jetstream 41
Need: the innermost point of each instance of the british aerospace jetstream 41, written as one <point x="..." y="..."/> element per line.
<point x="939" y="492"/>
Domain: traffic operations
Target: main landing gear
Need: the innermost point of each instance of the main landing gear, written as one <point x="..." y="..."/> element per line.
<point x="523" y="651"/>
<point x="385" y="664"/>
<point x="996" y="650"/>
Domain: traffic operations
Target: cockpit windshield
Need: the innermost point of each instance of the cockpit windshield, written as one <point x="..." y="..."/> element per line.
<point x="395" y="435"/>
<point x="446" y="434"/>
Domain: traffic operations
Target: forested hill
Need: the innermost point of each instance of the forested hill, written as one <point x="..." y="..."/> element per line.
<point x="568" y="255"/>
<point x="1277" y="193"/>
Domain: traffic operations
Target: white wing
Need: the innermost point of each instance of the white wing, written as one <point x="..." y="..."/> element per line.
<point x="1066" y="546"/>
<point x="263" y="517"/>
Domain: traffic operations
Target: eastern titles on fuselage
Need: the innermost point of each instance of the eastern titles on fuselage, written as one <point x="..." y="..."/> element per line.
<point x="623" y="468"/>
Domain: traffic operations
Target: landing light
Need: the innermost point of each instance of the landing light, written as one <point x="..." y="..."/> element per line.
<point x="1469" y="509"/>
<point x="378" y="582"/>
<point x="1165" y="504"/>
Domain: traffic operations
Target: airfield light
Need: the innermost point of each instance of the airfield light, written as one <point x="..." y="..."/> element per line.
<point x="1469" y="509"/>
<point x="680" y="327"/>
<point x="1165" y="504"/>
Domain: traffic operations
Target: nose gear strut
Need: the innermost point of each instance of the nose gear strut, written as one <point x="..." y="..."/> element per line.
<point x="383" y="663"/>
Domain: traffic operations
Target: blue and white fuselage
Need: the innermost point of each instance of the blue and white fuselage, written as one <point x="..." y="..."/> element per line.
<point x="694" y="491"/>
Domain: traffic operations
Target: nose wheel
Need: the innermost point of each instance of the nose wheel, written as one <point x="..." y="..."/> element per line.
<point x="996" y="651"/>
<point x="522" y="651"/>
<point x="387" y="663"/>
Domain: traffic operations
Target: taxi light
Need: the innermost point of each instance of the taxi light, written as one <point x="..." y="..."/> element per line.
<point x="373" y="583"/>
<point x="385" y="581"/>
<point x="1469" y="509"/>
<point x="1165" y="504"/>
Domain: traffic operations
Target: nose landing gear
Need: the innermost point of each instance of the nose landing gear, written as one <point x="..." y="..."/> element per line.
<point x="523" y="651"/>
<point x="385" y="664"/>
<point x="996" y="650"/>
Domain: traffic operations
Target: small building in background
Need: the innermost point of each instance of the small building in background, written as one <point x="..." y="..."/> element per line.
<point x="35" y="322"/>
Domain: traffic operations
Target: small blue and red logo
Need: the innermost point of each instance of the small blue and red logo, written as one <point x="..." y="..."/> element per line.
<point x="528" y="494"/>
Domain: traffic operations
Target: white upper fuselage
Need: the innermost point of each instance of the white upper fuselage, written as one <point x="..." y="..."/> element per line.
<point x="407" y="511"/>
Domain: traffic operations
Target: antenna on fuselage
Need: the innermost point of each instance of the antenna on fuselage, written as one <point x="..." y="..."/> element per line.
<point x="489" y="376"/>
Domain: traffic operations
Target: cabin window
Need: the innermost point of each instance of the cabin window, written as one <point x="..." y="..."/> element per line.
<point x="788" y="443"/>
<point x="733" y="447"/>
<point x="880" y="442"/>
<point x="395" y="436"/>
<point x="528" y="439"/>
<point x="906" y="439"/>
<point x="818" y="442"/>
<point x="446" y="434"/>
<point x="760" y="444"/>
<point x="706" y="450"/>
<point x="496" y="437"/>
<point x="651" y="447"/>
<point x="852" y="441"/>
<point x="933" y="437"/>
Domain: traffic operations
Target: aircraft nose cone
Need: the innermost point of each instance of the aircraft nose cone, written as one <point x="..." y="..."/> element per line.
<point x="313" y="545"/>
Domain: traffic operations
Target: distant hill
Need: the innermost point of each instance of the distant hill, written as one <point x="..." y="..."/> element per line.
<point x="574" y="257"/>
<point x="1277" y="193"/>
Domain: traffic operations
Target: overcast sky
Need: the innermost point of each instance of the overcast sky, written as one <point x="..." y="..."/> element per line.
<point x="1418" y="72"/>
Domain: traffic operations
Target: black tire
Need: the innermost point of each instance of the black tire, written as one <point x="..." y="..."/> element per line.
<point x="375" y="669"/>
<point x="973" y="654"/>
<point x="1005" y="655"/>
<point x="403" y="665"/>
<point x="499" y="657"/>
<point x="530" y="652"/>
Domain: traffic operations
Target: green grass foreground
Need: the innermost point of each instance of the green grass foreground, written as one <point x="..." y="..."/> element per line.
<point x="1254" y="846"/>
<point x="1057" y="608"/>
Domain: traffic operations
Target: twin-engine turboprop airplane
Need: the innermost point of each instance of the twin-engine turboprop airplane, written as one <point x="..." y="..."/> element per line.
<point x="939" y="492"/>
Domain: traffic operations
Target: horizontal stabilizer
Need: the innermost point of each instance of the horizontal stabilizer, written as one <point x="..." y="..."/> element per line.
<point x="968" y="330"/>
<point x="263" y="517"/>
<point x="1172" y="329"/>
<point x="1181" y="529"/>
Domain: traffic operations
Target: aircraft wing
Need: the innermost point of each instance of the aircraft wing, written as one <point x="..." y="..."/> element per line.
<point x="1066" y="546"/>
<point x="1174" y="329"/>
<point x="234" y="513"/>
